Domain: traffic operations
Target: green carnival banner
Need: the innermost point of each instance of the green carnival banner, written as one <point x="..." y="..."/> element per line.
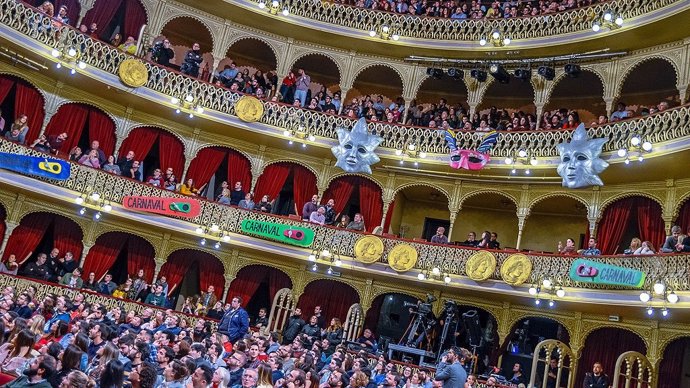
<point x="288" y="234"/>
<point x="588" y="271"/>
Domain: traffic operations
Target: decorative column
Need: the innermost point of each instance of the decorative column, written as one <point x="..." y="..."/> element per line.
<point x="226" y="289"/>
<point x="86" y="6"/>
<point x="10" y="226"/>
<point x="522" y="214"/>
<point x="593" y="226"/>
<point x="343" y="99"/>
<point x="453" y="216"/>
<point x="87" y="247"/>
<point x="540" y="112"/>
<point x="683" y="91"/>
<point x="408" y="103"/>
<point x="609" y="105"/>
<point x="386" y="206"/>
<point x="159" y="264"/>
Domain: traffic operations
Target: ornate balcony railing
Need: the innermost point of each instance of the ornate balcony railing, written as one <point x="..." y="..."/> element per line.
<point x="673" y="268"/>
<point x="421" y="27"/>
<point x="666" y="126"/>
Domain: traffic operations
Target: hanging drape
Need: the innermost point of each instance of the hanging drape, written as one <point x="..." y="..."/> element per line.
<point x="649" y="222"/>
<point x="683" y="219"/>
<point x="277" y="280"/>
<point x="136" y="17"/>
<point x="70" y="118"/>
<point x="30" y="102"/>
<point x="211" y="274"/>
<point x="389" y="217"/>
<point x="303" y="185"/>
<point x="102" y="14"/>
<point x="272" y="180"/>
<point x="370" y="204"/>
<point x="67" y="236"/>
<point x="103" y="254"/>
<point x="27" y="235"/>
<point x="170" y="152"/>
<point x="3" y="225"/>
<point x="239" y="170"/>
<point x="334" y="303"/>
<point x="140" y="255"/>
<point x="205" y="165"/>
<point x="612" y="225"/>
<point x="102" y="128"/>
<point x="340" y="190"/>
<point x="210" y="270"/>
<point x="605" y="345"/>
<point x="140" y="141"/>
<point x="175" y="268"/>
<point x="6" y="84"/>
<point x="247" y="282"/>
<point x="671" y="367"/>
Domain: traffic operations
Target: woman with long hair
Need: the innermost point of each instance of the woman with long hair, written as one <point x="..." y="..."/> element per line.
<point x="36" y="324"/>
<point x="15" y="354"/>
<point x="334" y="333"/>
<point x="113" y="375"/>
<point x="104" y="356"/>
<point x="359" y="380"/>
<point x="265" y="379"/>
<point x="221" y="378"/>
<point x="81" y="341"/>
<point x="69" y="362"/>
<point x="486" y="238"/>
<point x="57" y="330"/>
<point x="77" y="379"/>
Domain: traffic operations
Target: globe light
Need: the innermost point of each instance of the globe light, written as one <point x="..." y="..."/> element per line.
<point x="644" y="297"/>
<point x="174" y="100"/>
<point x="619" y="21"/>
<point x="672" y="297"/>
<point x="608" y="16"/>
<point x="73" y="72"/>
<point x="329" y="271"/>
<point x="97" y="216"/>
<point x="447" y="279"/>
<point x="436" y="271"/>
<point x="421" y="276"/>
<point x="496" y="35"/>
<point x="635" y="140"/>
<point x="482" y="42"/>
<point x="191" y="115"/>
<point x="290" y="142"/>
<point x="215" y="228"/>
<point x="226" y="238"/>
<point x="647" y="146"/>
<point x="95" y="196"/>
<point x="659" y="288"/>
<point x="372" y="33"/>
<point x="385" y="28"/>
<point x="664" y="312"/>
<point x="79" y="200"/>
<point x="622" y="152"/>
<point x="513" y="171"/>
<point x="81" y="65"/>
<point x="508" y="160"/>
<point x="552" y="303"/>
<point x="107" y="207"/>
<point x="82" y="211"/>
<point x="286" y="133"/>
<point x="395" y="37"/>
<point x="533" y="161"/>
<point x="304" y="145"/>
<point x="312" y="138"/>
<point x="627" y="161"/>
<point x="546" y="283"/>
<point x="506" y="41"/>
<point x="262" y="5"/>
<point x="217" y="245"/>
<point x="560" y="293"/>
<point x="402" y="162"/>
<point x="275" y="3"/>
<point x="537" y="302"/>
<point x="314" y="267"/>
<point x="286" y="11"/>
<point x="422" y="155"/>
<point x="199" y="230"/>
<point x="493" y="68"/>
<point x="398" y="152"/>
<point x="411" y="147"/>
<point x="640" y="158"/>
<point x="55" y="53"/>
<point x="199" y="109"/>
<point x="58" y="65"/>
<point x="522" y="153"/>
<point x="338" y="262"/>
<point x="596" y="27"/>
<point x="650" y="311"/>
<point x="71" y="52"/>
<point x="189" y="98"/>
<point x="527" y="172"/>
<point x="326" y="253"/>
<point x="202" y="242"/>
<point x="532" y="290"/>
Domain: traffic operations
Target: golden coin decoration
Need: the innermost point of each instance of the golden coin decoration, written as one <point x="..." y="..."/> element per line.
<point x="368" y="249"/>
<point x="402" y="257"/>
<point x="133" y="73"/>
<point x="480" y="266"/>
<point x="249" y="109"/>
<point x="516" y="269"/>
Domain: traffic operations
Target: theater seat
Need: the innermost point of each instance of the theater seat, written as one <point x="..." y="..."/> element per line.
<point x="5" y="378"/>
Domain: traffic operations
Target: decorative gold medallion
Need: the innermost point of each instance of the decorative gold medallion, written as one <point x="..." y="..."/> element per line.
<point x="133" y="73"/>
<point x="402" y="257"/>
<point x="368" y="249"/>
<point x="249" y="109"/>
<point x="480" y="266"/>
<point x="516" y="269"/>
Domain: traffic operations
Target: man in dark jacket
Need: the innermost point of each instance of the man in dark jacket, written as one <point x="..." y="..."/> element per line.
<point x="192" y="61"/>
<point x="312" y="330"/>
<point x="164" y="54"/>
<point x="450" y="371"/>
<point x="293" y="326"/>
<point x="40" y="370"/>
<point x="235" y="322"/>
<point x="38" y="269"/>
<point x="597" y="379"/>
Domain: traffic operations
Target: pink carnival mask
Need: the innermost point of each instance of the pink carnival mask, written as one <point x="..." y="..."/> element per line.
<point x="470" y="159"/>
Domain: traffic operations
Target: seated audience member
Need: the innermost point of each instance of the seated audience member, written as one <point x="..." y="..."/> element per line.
<point x="73" y="279"/>
<point x="38" y="269"/>
<point x="264" y="206"/>
<point x="471" y="240"/>
<point x="592" y="249"/>
<point x="683" y="244"/>
<point x="111" y="167"/>
<point x="568" y="249"/>
<point x="90" y="159"/>
<point x="13" y="355"/>
<point x="50" y="144"/>
<point x="318" y="216"/>
<point x="357" y="223"/>
<point x="126" y="162"/>
<point x="672" y="240"/>
<point x="646" y="248"/>
<point x="368" y="341"/>
<point x="224" y="197"/>
<point x="10" y="267"/>
<point x="486" y="238"/>
<point x="248" y="202"/>
<point x="75" y="154"/>
<point x="493" y="242"/>
<point x="156" y="179"/>
<point x="107" y="286"/>
<point x="635" y="244"/>
<point x="621" y="113"/>
<point x="188" y="188"/>
<point x="2" y="122"/>
<point x="440" y="237"/>
<point x="18" y="130"/>
<point x="95" y="146"/>
<point x="170" y="183"/>
<point x="133" y="171"/>
<point x="129" y="46"/>
<point x="310" y="207"/>
<point x="517" y="376"/>
<point x="344" y="221"/>
<point x="91" y="283"/>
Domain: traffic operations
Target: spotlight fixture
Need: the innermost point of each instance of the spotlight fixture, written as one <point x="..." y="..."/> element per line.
<point x="572" y="70"/>
<point x="434" y="72"/>
<point x="548" y="72"/>
<point x="82" y="211"/>
<point x="650" y="311"/>
<point x="478" y="74"/>
<point x="329" y="271"/>
<point x="664" y="312"/>
<point x="546" y="288"/>
<point x="314" y="267"/>
<point x="499" y="73"/>
<point x="456" y="74"/>
<point x="537" y="301"/>
<point x="552" y="303"/>
<point x="523" y="74"/>
<point x="97" y="216"/>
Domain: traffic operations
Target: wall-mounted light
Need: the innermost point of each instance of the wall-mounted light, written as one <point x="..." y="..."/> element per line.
<point x="274" y="7"/>
<point x="496" y="38"/>
<point x="385" y="32"/>
<point x="609" y="20"/>
<point x="637" y="148"/>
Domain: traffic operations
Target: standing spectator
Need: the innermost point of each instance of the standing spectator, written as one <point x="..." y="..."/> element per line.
<point x="125" y="163"/>
<point x="293" y="326"/>
<point x="235" y="322"/>
<point x="192" y="61"/>
<point x="164" y="54"/>
<point x="302" y="86"/>
<point x="237" y="194"/>
<point x="310" y="207"/>
<point x="287" y="88"/>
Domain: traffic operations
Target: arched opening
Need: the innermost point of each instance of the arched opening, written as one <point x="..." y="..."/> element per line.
<point x="429" y="96"/>
<point x="117" y="16"/>
<point x="183" y="32"/>
<point x="40" y="232"/>
<point x="627" y="218"/>
<point x="334" y="297"/>
<point x="122" y="255"/>
<point x="512" y="100"/>
<point x="683" y="219"/>
<point x="524" y="336"/>
<point x="18" y="97"/>
<point x="83" y="124"/>
<point x="73" y="8"/>
<point x="355" y="194"/>
<point x="604" y="345"/>
<point x="584" y="94"/>
<point x="418" y="211"/>
<point x="490" y="211"/>
<point x="189" y="272"/>
<point x="388" y="317"/>
<point x="385" y="87"/>
<point x="324" y="74"/>
<point x="257" y="285"/>
<point x="673" y="369"/>
<point x="288" y="187"/>
<point x="640" y="89"/>
<point x="552" y="220"/>
<point x="154" y="148"/>
<point x="213" y="165"/>
<point x="250" y="54"/>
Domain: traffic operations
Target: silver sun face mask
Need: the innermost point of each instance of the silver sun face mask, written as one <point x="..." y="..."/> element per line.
<point x="355" y="153"/>
<point x="581" y="164"/>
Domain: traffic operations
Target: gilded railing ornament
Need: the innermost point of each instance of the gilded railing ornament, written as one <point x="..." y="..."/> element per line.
<point x="480" y="266"/>
<point x="402" y="257"/>
<point x="355" y="151"/>
<point x="133" y="73"/>
<point x="581" y="164"/>
<point x="368" y="249"/>
<point x="249" y="109"/>
<point x="516" y="269"/>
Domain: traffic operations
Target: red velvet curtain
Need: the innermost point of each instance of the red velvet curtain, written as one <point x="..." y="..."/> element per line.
<point x="334" y="303"/>
<point x="340" y="190"/>
<point x="103" y="254"/>
<point x="211" y="274"/>
<point x="3" y="225"/>
<point x="30" y="102"/>
<point x="136" y="17"/>
<point x="69" y="118"/>
<point x="171" y="152"/>
<point x="67" y="236"/>
<point x="140" y="140"/>
<point x="249" y="279"/>
<point x="612" y="225"/>
<point x="27" y="235"/>
<point x="605" y="345"/>
<point x="140" y="255"/>
<point x="684" y="216"/>
<point x="102" y="128"/>
<point x="176" y="267"/>
<point x="239" y="170"/>
<point x="370" y="203"/>
<point x="671" y="366"/>
<point x="211" y="271"/>
<point x="205" y="164"/>
<point x="272" y="180"/>
<point x="649" y="222"/>
<point x="102" y="13"/>
<point x="303" y="186"/>
<point x="389" y="217"/>
<point x="277" y="280"/>
<point x="6" y="84"/>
